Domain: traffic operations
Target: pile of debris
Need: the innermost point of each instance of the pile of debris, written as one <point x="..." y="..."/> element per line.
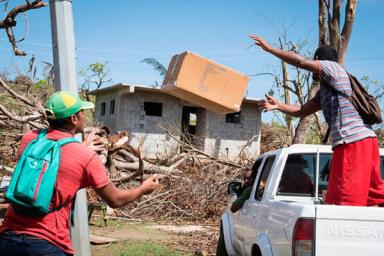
<point x="193" y="184"/>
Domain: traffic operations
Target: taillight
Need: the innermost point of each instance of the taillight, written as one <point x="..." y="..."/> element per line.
<point x="302" y="239"/>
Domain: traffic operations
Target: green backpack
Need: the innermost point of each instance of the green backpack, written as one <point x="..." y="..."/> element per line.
<point x="34" y="178"/>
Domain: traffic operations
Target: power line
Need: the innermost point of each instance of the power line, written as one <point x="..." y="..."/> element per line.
<point x="131" y="52"/>
<point x="139" y="59"/>
<point x="79" y="49"/>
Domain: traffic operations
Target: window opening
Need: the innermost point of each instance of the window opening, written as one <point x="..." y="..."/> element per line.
<point x="153" y="109"/>
<point x="112" y="107"/>
<point x="233" y="118"/>
<point x="102" y="112"/>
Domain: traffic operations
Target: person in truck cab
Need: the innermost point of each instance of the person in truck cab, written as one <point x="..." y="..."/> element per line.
<point x="354" y="177"/>
<point x="246" y="190"/>
<point x="295" y="180"/>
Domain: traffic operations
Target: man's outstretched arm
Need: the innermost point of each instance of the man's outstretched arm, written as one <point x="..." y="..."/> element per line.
<point x="116" y="197"/>
<point x="270" y="103"/>
<point x="288" y="57"/>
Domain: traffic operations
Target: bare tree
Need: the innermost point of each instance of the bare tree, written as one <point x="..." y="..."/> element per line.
<point x="331" y="32"/>
<point x="10" y="21"/>
<point x="294" y="86"/>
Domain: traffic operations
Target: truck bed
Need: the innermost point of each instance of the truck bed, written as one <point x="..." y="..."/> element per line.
<point x="349" y="230"/>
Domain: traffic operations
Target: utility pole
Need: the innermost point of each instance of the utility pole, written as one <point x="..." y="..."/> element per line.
<point x="63" y="45"/>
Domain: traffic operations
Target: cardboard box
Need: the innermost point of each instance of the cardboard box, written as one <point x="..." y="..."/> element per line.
<point x="205" y="83"/>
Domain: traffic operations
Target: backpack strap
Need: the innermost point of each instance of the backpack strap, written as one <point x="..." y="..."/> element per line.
<point x="42" y="133"/>
<point x="65" y="141"/>
<point x="325" y="138"/>
<point x="61" y="143"/>
<point x="63" y="205"/>
<point x="338" y="92"/>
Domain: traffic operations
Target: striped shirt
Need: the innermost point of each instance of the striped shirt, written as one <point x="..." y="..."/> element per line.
<point x="346" y="124"/>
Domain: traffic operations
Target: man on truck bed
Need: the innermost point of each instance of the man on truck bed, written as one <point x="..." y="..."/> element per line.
<point x="79" y="167"/>
<point x="355" y="177"/>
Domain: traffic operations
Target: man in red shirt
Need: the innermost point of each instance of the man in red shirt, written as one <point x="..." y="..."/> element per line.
<point x="80" y="167"/>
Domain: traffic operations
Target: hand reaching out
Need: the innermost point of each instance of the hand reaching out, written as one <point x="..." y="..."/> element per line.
<point x="150" y="184"/>
<point x="270" y="103"/>
<point x="93" y="142"/>
<point x="261" y="42"/>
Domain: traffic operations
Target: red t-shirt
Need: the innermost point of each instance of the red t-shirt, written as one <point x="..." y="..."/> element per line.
<point x="80" y="167"/>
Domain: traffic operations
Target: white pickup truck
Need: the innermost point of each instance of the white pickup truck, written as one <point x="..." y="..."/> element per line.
<point x="285" y="215"/>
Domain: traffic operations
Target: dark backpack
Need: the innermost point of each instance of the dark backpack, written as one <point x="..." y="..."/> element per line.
<point x="365" y="104"/>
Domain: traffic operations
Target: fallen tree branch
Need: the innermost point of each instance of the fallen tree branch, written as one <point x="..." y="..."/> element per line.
<point x="25" y="100"/>
<point x="193" y="149"/>
<point x="10" y="21"/>
<point x="21" y="119"/>
<point x="6" y="169"/>
<point x="147" y="167"/>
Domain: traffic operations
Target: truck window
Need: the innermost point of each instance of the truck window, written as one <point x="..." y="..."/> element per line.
<point x="382" y="166"/>
<point x="255" y="167"/>
<point x="262" y="182"/>
<point x="298" y="178"/>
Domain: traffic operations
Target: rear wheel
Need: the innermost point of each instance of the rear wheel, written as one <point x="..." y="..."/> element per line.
<point x="221" y="250"/>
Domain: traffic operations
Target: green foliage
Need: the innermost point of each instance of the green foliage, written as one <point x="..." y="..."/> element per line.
<point x="97" y="67"/>
<point x="380" y="136"/>
<point x="314" y="135"/>
<point x="9" y="103"/>
<point x="95" y="74"/>
<point x="42" y="83"/>
<point x="42" y="87"/>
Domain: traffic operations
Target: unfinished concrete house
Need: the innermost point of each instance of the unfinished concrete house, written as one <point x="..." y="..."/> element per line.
<point x="145" y="112"/>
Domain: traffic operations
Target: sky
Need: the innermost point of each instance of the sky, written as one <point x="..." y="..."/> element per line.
<point x="124" y="32"/>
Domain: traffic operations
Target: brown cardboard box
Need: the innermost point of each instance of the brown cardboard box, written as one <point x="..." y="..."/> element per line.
<point x="205" y="83"/>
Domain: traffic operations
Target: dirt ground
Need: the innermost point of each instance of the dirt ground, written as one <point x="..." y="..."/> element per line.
<point x="186" y="238"/>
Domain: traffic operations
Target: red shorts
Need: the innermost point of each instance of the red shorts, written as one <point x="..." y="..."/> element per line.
<point x="355" y="177"/>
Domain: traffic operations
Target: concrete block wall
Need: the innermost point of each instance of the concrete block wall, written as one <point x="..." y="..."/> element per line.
<point x="214" y="135"/>
<point x="229" y="138"/>
<point x="108" y="119"/>
<point x="148" y="128"/>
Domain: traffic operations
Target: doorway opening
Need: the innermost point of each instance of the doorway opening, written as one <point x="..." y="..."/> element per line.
<point x="188" y="124"/>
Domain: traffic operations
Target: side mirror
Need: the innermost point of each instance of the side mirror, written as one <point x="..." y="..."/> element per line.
<point x="234" y="187"/>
